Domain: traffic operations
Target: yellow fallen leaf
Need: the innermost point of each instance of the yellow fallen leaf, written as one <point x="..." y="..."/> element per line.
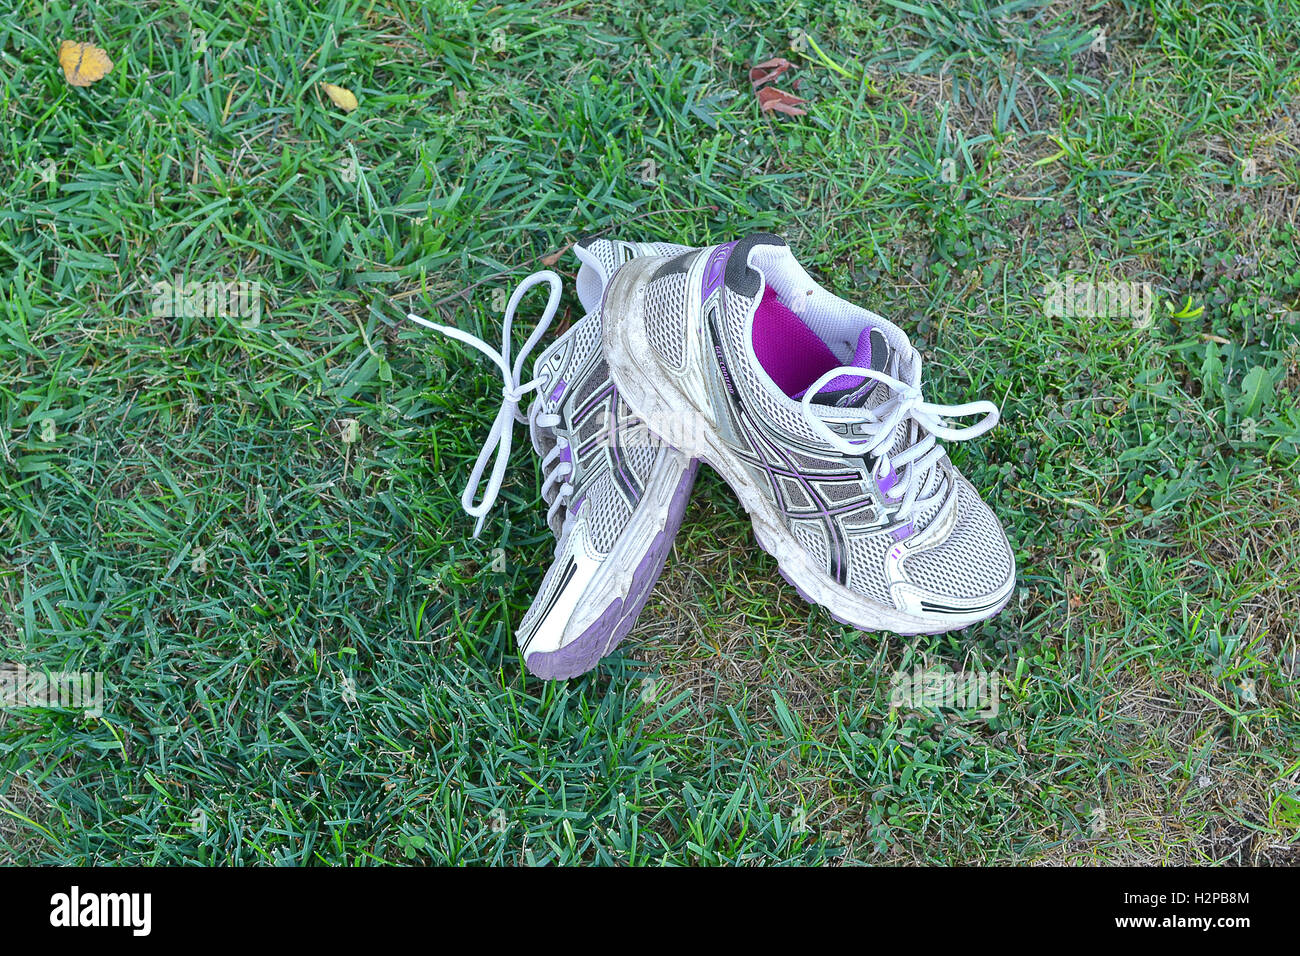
<point x="343" y="99"/>
<point x="83" y="63"/>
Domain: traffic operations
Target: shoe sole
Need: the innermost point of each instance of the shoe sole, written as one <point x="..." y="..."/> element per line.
<point x="631" y="590"/>
<point x="657" y="400"/>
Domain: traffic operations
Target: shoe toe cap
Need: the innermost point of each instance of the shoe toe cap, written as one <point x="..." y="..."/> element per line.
<point x="972" y="566"/>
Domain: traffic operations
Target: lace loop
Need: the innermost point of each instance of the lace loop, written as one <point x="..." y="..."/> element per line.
<point x="904" y="406"/>
<point x="497" y="446"/>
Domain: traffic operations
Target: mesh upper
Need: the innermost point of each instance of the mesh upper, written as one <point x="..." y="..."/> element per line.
<point x="812" y="536"/>
<point x="665" y="318"/>
<point x="794" y="494"/>
<point x="605" y="251"/>
<point x="606" y="513"/>
<point x="640" y="456"/>
<point x="609" y="254"/>
<point x="586" y="340"/>
<point x="612" y="253"/>
<point x="867" y="566"/>
<point x="974" y="560"/>
<point x="839" y="492"/>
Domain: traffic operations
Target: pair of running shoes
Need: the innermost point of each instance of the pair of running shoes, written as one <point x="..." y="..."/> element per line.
<point x="808" y="406"/>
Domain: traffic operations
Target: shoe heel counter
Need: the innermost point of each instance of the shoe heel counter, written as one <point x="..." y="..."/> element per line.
<point x="739" y="277"/>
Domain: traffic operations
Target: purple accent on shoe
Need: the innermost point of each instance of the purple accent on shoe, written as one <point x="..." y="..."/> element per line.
<point x="887" y="482"/>
<point x="573" y="508"/>
<point x="862" y="359"/>
<point x="884" y="485"/>
<point x="790" y="352"/>
<point x="627" y="479"/>
<point x="842" y="383"/>
<point x="856" y="399"/>
<point x="608" y="630"/>
<point x="714" y="270"/>
<point x="558" y="390"/>
<point x="609" y="436"/>
<point x="566" y="453"/>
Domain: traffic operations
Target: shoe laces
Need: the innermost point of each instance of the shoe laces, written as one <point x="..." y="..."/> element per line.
<point x="557" y="466"/>
<point x="496" y="449"/>
<point x="923" y="422"/>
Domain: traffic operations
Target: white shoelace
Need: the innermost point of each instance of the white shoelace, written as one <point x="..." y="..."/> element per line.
<point x="513" y="390"/>
<point x="905" y="405"/>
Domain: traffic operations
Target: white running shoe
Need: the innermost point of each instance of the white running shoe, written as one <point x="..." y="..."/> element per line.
<point x="615" y="493"/>
<point x="811" y="409"/>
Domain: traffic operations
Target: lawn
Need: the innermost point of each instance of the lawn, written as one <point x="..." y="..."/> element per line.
<point x="250" y="524"/>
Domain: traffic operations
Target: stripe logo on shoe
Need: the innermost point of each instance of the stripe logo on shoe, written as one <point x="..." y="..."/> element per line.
<point x="945" y="609"/>
<point x="570" y="568"/>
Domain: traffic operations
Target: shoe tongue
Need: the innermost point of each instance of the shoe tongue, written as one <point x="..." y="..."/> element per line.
<point x="851" y="391"/>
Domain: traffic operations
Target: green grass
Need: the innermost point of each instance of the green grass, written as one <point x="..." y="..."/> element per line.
<point x="301" y="640"/>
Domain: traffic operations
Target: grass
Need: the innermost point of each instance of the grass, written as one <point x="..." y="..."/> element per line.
<point x="308" y="660"/>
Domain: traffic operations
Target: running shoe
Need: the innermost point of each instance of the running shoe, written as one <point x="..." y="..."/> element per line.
<point x="811" y="409"/>
<point x="615" y="493"/>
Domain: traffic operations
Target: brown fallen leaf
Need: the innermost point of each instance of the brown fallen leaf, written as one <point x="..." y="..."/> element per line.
<point x="770" y="100"/>
<point x="554" y="257"/>
<point x="768" y="70"/>
<point x="83" y="63"/>
<point x="341" y="97"/>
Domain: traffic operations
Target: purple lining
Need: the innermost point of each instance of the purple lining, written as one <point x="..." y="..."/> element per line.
<point x="795" y="356"/>
<point x="790" y="352"/>
<point x="558" y="391"/>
